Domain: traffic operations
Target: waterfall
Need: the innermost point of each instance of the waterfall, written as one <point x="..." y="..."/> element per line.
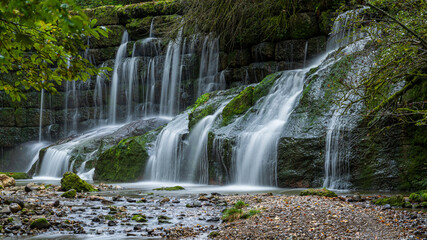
<point x="255" y="153"/>
<point x="178" y="157"/>
<point x="197" y="150"/>
<point x="337" y="151"/>
<point x="121" y="54"/>
<point x="165" y="162"/>
<point x="56" y="160"/>
<point x="337" y="170"/>
<point x="41" y="115"/>
<point x="209" y="61"/>
<point x="98" y="96"/>
<point x="171" y="80"/>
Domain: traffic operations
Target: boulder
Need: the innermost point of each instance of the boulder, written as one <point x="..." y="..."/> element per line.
<point x="7" y="181"/>
<point x="40" y="223"/>
<point x="72" y="181"/>
<point x="69" y="194"/>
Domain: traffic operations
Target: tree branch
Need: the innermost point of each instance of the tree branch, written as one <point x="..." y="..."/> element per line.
<point x="423" y="42"/>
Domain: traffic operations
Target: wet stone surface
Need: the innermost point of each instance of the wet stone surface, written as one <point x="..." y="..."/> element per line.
<point x="118" y="213"/>
<point x="106" y="213"/>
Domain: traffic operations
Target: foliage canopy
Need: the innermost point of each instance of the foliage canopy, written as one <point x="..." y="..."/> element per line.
<point x="40" y="42"/>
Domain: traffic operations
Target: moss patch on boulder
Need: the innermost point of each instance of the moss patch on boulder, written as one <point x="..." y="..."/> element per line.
<point x="318" y="192"/>
<point x="69" y="194"/>
<point x="105" y="15"/>
<point x="125" y="161"/>
<point x="40" y="223"/>
<point x="174" y="188"/>
<point x="247" y="98"/>
<point x="73" y="181"/>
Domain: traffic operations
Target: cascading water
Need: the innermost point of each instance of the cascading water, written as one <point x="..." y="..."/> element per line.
<point x="208" y="76"/>
<point x="337" y="169"/>
<point x="57" y="158"/>
<point x="165" y="162"/>
<point x="121" y="54"/>
<point x="254" y="156"/>
<point x="178" y="158"/>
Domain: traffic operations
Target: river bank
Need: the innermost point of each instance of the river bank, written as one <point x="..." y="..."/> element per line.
<point x="115" y="212"/>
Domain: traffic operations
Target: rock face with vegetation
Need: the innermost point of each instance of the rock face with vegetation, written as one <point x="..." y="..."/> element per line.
<point x="71" y="181"/>
<point x="125" y="161"/>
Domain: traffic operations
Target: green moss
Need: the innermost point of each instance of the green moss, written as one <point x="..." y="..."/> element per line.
<point x="126" y="161"/>
<point x="10" y="219"/>
<point x="397" y="201"/>
<point x="250" y="214"/>
<point x="213" y="234"/>
<point x="110" y="218"/>
<point x="247" y="98"/>
<point x="72" y="181"/>
<point x="414" y="197"/>
<point x="70" y="193"/>
<point x="318" y="192"/>
<point x="195" y="116"/>
<point x="303" y="25"/>
<point x="174" y="188"/>
<point x="240" y="205"/>
<point x="40" y="223"/>
<point x="17" y="175"/>
<point x="139" y="218"/>
<point x="231" y="214"/>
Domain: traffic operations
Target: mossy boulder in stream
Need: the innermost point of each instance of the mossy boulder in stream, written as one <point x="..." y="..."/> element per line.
<point x="72" y="181"/>
<point x="125" y="161"/>
<point x="69" y="194"/>
<point x="40" y="223"/>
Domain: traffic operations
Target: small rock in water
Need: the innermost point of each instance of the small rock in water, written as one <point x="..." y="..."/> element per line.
<point x="106" y="202"/>
<point x="112" y="223"/>
<point x="28" y="188"/>
<point x="214" y="219"/>
<point x="387" y="206"/>
<point x="14" y="207"/>
<point x="130" y="200"/>
<point x="203" y="198"/>
<point x="175" y="201"/>
<point x="56" y="203"/>
<point x="5" y="210"/>
<point x="164" y="200"/>
<point x="117" y="198"/>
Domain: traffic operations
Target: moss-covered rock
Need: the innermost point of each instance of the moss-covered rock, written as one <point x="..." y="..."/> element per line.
<point x="69" y="194"/>
<point x="318" y="192"/>
<point x="303" y="25"/>
<point x="40" y="223"/>
<point x="145" y="9"/>
<point x="125" y="161"/>
<point x="72" y="181"/>
<point x="139" y="218"/>
<point x="174" y="188"/>
<point x="247" y="98"/>
<point x="105" y="15"/>
<point x="139" y="28"/>
<point x="199" y="111"/>
<point x="16" y="175"/>
<point x="114" y="38"/>
<point x="397" y="201"/>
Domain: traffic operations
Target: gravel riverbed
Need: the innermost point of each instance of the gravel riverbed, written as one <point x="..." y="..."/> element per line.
<point x="113" y="213"/>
